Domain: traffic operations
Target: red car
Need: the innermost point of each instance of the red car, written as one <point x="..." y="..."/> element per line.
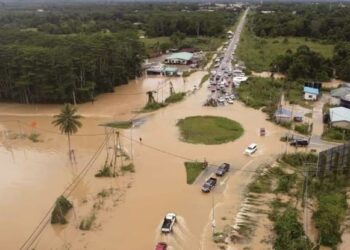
<point x="161" y="246"/>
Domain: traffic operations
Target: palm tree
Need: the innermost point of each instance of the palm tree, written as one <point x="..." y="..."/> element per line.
<point x="68" y="122"/>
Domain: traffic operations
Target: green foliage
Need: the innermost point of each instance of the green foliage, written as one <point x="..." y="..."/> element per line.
<point x="330" y="214"/>
<point x="259" y="53"/>
<point x="289" y="232"/>
<point x="335" y="134"/>
<point x="285" y="182"/>
<point x="297" y="159"/>
<point x="153" y="106"/>
<point x="87" y="222"/>
<point x="106" y="171"/>
<point x="34" y="137"/>
<point x="128" y="168"/>
<point x="341" y="61"/>
<point x="303" y="64"/>
<point x="177" y="97"/>
<point x="62" y="206"/>
<point x="193" y="169"/>
<point x="209" y="129"/>
<point x="261" y="92"/>
<point x="302" y="128"/>
<point x="204" y="79"/>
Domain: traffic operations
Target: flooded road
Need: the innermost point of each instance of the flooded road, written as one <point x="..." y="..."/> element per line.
<point x="35" y="174"/>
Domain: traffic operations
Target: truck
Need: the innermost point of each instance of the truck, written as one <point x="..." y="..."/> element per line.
<point x="209" y="185"/>
<point x="168" y="223"/>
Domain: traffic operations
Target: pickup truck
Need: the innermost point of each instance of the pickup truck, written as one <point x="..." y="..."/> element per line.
<point x="209" y="185"/>
<point x="168" y="223"/>
<point x="222" y="169"/>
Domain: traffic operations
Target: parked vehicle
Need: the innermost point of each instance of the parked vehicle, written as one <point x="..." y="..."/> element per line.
<point x="209" y="185"/>
<point x="168" y="223"/>
<point x="230" y="101"/>
<point x="251" y="149"/>
<point x="161" y="246"/>
<point x="299" y="143"/>
<point x="222" y="169"/>
<point x="262" y="131"/>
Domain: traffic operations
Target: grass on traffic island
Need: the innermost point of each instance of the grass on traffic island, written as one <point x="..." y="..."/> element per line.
<point x="209" y="130"/>
<point x="193" y="170"/>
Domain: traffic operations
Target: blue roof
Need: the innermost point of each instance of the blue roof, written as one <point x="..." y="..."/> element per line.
<point x="310" y="90"/>
<point x="339" y="114"/>
<point x="181" y="55"/>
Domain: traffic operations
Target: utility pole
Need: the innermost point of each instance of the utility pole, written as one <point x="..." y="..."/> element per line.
<point x="213" y="214"/>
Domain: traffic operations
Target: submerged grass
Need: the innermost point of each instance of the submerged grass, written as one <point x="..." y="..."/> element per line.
<point x="177" y="97"/>
<point x="62" y="206"/>
<point x="209" y="130"/>
<point x="193" y="170"/>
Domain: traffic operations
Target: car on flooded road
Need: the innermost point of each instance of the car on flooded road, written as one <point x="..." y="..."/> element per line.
<point x="299" y="143"/>
<point x="251" y="149"/>
<point x="222" y="169"/>
<point x="168" y="223"/>
<point x="161" y="246"/>
<point x="209" y="185"/>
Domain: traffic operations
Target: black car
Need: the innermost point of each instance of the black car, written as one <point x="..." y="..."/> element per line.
<point x="222" y="169"/>
<point x="209" y="185"/>
<point x="299" y="143"/>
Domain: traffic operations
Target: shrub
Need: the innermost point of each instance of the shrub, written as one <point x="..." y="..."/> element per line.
<point x="297" y="159"/>
<point x="128" y="168"/>
<point x="105" y="171"/>
<point x="302" y="128"/>
<point x="177" y="97"/>
<point x="34" y="137"/>
<point x="62" y="206"/>
<point x="87" y="222"/>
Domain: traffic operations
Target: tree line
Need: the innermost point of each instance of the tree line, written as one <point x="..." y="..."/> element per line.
<point x="70" y="69"/>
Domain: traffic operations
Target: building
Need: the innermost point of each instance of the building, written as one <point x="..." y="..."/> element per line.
<point x="339" y="93"/>
<point x="340" y="117"/>
<point x="283" y="115"/>
<point x="311" y="94"/>
<point x="162" y="70"/>
<point x="179" y="58"/>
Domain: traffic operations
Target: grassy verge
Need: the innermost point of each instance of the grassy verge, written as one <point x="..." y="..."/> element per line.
<point x="193" y="169"/>
<point x="303" y="129"/>
<point x="297" y="159"/>
<point x="209" y="129"/>
<point x="177" y="97"/>
<point x="204" y="79"/>
<point x="149" y="107"/>
<point x="258" y="53"/>
<point x="335" y="134"/>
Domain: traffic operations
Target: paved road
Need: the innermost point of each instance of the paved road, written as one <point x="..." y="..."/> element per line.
<point x="226" y="61"/>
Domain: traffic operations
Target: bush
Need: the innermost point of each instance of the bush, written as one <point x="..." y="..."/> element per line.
<point x="329" y="216"/>
<point x="302" y="128"/>
<point x="336" y="134"/>
<point x="128" y="168"/>
<point x="87" y="222"/>
<point x="34" y="137"/>
<point x="204" y="79"/>
<point x="153" y="106"/>
<point x="297" y="159"/>
<point x="62" y="206"/>
<point x="105" y="171"/>
<point x="285" y="182"/>
<point x="289" y="232"/>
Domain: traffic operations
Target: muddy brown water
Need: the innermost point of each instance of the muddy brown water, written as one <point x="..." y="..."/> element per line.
<point x="34" y="174"/>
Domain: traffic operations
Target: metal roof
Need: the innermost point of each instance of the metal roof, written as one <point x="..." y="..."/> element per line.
<point x="339" y="114"/>
<point x="283" y="112"/>
<point x="310" y="90"/>
<point x="340" y="92"/>
<point x="181" y="55"/>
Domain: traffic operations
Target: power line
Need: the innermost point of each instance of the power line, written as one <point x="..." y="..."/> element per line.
<point x="42" y="224"/>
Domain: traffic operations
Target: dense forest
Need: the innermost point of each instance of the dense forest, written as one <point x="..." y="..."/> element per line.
<point x="305" y="64"/>
<point x="72" y="53"/>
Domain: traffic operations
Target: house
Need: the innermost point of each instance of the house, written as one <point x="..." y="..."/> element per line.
<point x="345" y="101"/>
<point x="170" y="71"/>
<point x="179" y="58"/>
<point x="340" y="117"/>
<point x="161" y="69"/>
<point x="311" y="93"/>
<point x="283" y="115"/>
<point x="339" y="93"/>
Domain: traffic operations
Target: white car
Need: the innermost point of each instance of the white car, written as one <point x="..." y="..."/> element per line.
<point x="251" y="149"/>
<point x="232" y="96"/>
<point x="230" y="101"/>
<point x="168" y="223"/>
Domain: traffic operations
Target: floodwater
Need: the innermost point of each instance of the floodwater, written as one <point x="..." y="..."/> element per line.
<point x="34" y="174"/>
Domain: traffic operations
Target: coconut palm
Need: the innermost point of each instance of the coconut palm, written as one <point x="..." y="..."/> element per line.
<point x="68" y="122"/>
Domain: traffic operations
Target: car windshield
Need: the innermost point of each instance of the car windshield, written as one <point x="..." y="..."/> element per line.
<point x="251" y="147"/>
